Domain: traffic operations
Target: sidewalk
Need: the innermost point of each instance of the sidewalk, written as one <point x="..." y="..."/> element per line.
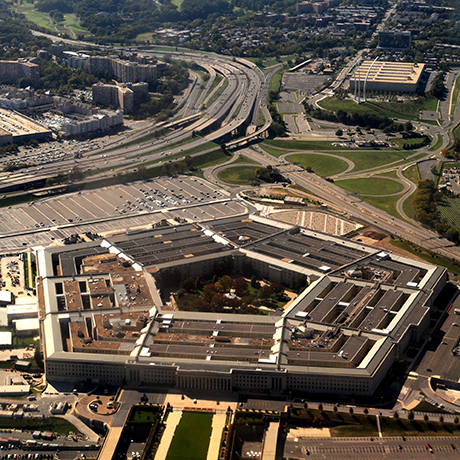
<point x="84" y="429"/>
<point x="218" y="424"/>
<point x="171" y="424"/>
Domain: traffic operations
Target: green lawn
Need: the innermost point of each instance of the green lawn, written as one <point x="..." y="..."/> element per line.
<point x="437" y="145"/>
<point x="290" y="144"/>
<point x="370" y="186"/>
<point x="400" y="141"/>
<point x="210" y="159"/>
<point x="245" y="160"/>
<point x="323" y="165"/>
<point x="408" y="207"/>
<point x="385" y="203"/>
<point x="70" y="24"/>
<point x="218" y="92"/>
<point x="412" y="174"/>
<point x="405" y="110"/>
<point x="191" y="438"/>
<point x="240" y="175"/>
<point x="455" y="94"/>
<point x="368" y="160"/>
<point x="54" y="424"/>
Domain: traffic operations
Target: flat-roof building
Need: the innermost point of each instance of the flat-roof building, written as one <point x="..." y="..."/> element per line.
<point x="394" y="39"/>
<point x="388" y="76"/>
<point x="103" y="319"/>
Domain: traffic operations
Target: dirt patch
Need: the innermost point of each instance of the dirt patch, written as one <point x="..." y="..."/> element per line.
<point x="373" y="234"/>
<point x="384" y="243"/>
<point x="309" y="433"/>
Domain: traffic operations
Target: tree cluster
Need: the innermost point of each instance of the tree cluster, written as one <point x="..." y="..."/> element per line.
<point x="225" y="294"/>
<point x="268" y="174"/>
<point x="438" y="88"/>
<point x="365" y="120"/>
<point x="426" y="200"/>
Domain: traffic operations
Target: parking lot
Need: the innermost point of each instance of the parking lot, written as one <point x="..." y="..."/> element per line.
<point x="111" y="210"/>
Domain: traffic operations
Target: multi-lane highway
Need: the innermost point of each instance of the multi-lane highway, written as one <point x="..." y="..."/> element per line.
<point x="219" y="112"/>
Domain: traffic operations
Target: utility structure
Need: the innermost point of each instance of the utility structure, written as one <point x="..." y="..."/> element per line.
<point x="367" y="75"/>
<point x="358" y="81"/>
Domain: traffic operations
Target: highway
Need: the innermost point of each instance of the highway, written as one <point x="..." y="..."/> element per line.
<point x="236" y="106"/>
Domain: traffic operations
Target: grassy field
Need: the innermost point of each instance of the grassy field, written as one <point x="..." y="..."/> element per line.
<point x="210" y="159"/>
<point x="218" y="92"/>
<point x="191" y="438"/>
<point x="323" y="165"/>
<point x="370" y="186"/>
<point x="426" y="256"/>
<point x="406" y="110"/>
<point x="245" y="160"/>
<point x="54" y="424"/>
<point x="400" y="142"/>
<point x="276" y="80"/>
<point x="455" y="94"/>
<point x="437" y="145"/>
<point x="368" y="160"/>
<point x="385" y="203"/>
<point x="290" y="144"/>
<point x="239" y="175"/>
<point x="71" y="23"/>
<point x="412" y="174"/>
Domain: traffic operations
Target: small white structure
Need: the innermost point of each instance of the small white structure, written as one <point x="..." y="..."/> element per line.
<point x="5" y="298"/>
<point x="26" y="326"/>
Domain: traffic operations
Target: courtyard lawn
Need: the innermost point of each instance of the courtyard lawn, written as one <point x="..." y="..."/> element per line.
<point x="370" y="186"/>
<point x="191" y="438"/>
<point x="322" y="165"/>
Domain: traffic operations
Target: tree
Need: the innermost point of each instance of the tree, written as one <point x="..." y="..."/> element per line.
<point x="366" y="411"/>
<point x="426" y="418"/>
<point x="240" y="286"/>
<point x="445" y="153"/>
<point x="335" y="409"/>
<point x="50" y="182"/>
<point x="38" y="357"/>
<point x="395" y="415"/>
<point x="320" y="407"/>
<point x="305" y="405"/>
<point x="410" y="416"/>
<point x="339" y="133"/>
<point x="351" y="410"/>
<point x="456" y="420"/>
<point x="441" y="419"/>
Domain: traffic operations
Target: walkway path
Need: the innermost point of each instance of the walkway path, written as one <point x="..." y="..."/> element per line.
<point x="218" y="424"/>
<point x="171" y="423"/>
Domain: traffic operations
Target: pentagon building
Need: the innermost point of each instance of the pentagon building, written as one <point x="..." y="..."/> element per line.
<point x="102" y="315"/>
